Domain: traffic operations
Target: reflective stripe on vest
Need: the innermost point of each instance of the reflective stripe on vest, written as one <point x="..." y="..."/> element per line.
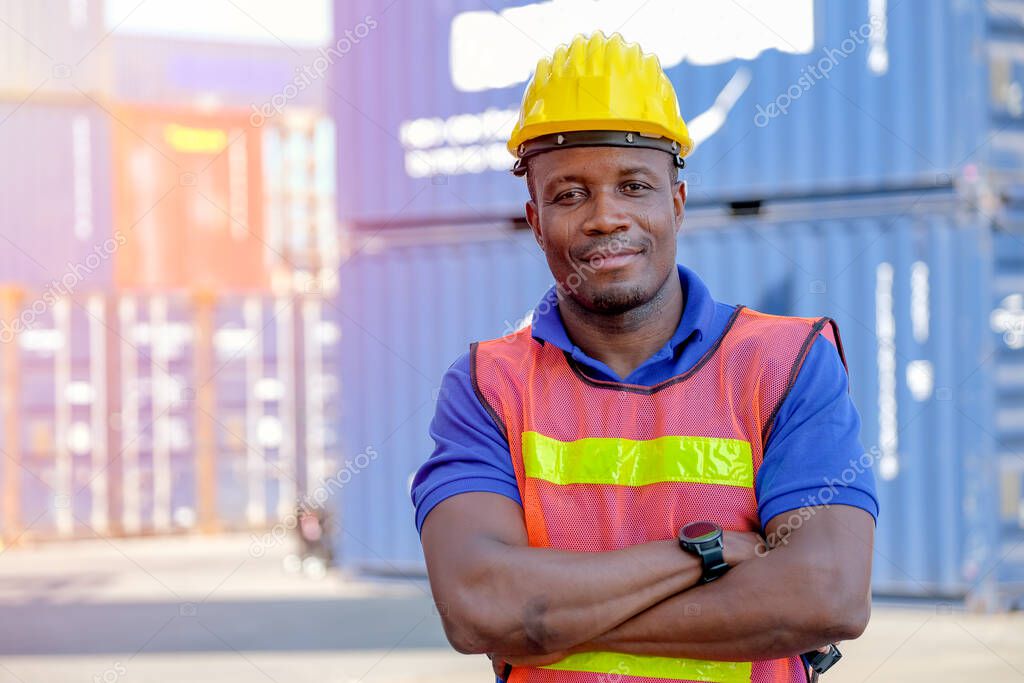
<point x="604" y="465"/>
<point x="624" y="462"/>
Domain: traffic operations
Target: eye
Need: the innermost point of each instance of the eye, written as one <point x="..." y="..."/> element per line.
<point x="569" y="196"/>
<point x="635" y="186"/>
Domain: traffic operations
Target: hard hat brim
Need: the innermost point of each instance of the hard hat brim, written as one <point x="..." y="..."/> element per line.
<point x="595" y="138"/>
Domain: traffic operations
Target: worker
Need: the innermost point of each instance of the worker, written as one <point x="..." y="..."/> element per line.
<point x="643" y="483"/>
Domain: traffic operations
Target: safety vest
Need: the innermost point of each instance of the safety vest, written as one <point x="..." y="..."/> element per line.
<point x="605" y="465"/>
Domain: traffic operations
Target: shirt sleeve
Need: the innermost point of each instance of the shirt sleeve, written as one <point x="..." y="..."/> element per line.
<point x="814" y="456"/>
<point x="470" y="452"/>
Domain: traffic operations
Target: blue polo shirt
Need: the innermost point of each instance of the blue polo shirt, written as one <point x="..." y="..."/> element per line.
<point x="813" y="455"/>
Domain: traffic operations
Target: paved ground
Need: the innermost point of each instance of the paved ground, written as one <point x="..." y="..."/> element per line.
<point x="204" y="610"/>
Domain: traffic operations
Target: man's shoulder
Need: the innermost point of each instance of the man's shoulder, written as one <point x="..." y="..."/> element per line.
<point x="777" y="339"/>
<point x="783" y="320"/>
<point x="773" y="329"/>
<point x="512" y="343"/>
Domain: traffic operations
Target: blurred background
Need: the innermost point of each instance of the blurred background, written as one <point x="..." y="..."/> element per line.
<point x="242" y="240"/>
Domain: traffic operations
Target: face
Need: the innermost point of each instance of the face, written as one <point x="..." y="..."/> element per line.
<point x="607" y="219"/>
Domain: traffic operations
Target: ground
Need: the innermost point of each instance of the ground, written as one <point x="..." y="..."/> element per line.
<point x="220" y="609"/>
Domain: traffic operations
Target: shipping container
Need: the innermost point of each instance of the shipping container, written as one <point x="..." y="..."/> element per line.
<point x="62" y="410"/>
<point x="265" y="80"/>
<point x="928" y="295"/>
<point x="266" y="58"/>
<point x="188" y="202"/>
<point x="299" y="203"/>
<point x="190" y="189"/>
<point x="255" y="359"/>
<point x="53" y="49"/>
<point x="808" y="98"/>
<point x="55" y="208"/>
<point x="208" y="201"/>
<point x="161" y="413"/>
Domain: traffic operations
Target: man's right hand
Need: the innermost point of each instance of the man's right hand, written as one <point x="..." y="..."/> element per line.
<point x="741" y="546"/>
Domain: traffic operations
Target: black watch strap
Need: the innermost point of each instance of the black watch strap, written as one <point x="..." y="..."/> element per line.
<point x="713" y="559"/>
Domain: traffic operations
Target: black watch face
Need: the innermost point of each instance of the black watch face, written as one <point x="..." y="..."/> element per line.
<point x="698" y="532"/>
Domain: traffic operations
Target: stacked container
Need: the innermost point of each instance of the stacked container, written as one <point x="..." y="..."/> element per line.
<point x="859" y="160"/>
<point x="169" y="229"/>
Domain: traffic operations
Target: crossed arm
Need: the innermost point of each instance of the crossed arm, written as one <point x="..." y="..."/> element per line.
<point x="535" y="605"/>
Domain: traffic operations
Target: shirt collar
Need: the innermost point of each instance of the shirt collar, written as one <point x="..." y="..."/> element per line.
<point x="698" y="313"/>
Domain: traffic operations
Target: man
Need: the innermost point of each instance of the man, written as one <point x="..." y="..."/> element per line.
<point x="570" y="513"/>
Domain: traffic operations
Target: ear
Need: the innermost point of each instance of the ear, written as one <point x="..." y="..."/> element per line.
<point x="679" y="203"/>
<point x="533" y="218"/>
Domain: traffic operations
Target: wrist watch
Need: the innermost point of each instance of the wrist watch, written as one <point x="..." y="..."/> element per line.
<point x="704" y="539"/>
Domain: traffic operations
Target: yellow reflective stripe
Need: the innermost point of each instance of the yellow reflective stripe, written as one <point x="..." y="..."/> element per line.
<point x="625" y="462"/>
<point x="671" y="668"/>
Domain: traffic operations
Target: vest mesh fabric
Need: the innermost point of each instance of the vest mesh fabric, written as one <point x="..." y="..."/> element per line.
<point x="733" y="392"/>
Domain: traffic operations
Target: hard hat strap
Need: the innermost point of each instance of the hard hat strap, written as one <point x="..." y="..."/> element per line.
<point x="593" y="138"/>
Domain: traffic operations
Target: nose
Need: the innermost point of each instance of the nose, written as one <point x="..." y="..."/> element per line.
<point x="607" y="214"/>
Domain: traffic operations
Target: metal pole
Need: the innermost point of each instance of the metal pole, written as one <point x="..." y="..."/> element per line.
<point x="255" y="454"/>
<point x="62" y="475"/>
<point x="10" y="394"/>
<point x="131" y="479"/>
<point x="160" y="403"/>
<point x="99" y="516"/>
<point x="205" y="398"/>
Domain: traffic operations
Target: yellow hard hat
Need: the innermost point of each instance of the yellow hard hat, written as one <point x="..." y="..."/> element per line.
<point x="599" y="91"/>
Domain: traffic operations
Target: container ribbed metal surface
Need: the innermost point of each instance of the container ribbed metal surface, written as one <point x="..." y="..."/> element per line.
<point x="912" y="280"/>
<point x="797" y="99"/>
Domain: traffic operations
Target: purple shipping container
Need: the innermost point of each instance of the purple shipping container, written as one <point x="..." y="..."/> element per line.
<point x="55" y="210"/>
<point x="269" y="57"/>
<point x="109" y="423"/>
<point x="266" y="80"/>
<point x="812" y="97"/>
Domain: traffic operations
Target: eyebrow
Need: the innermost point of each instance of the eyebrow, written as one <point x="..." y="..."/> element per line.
<point x="638" y="170"/>
<point x="623" y="172"/>
<point x="564" y="179"/>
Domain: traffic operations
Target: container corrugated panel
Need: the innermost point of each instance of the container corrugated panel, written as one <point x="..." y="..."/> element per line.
<point x="900" y="104"/>
<point x="300" y="213"/>
<point x="1005" y="87"/>
<point x="110" y="404"/>
<point x="55" y="208"/>
<point x="159" y="395"/>
<point x="252" y="455"/>
<point x="52" y="48"/>
<point x="256" y="441"/>
<point x="399" y="334"/>
<point x="1007" y="324"/>
<point x="61" y="459"/>
<point x="907" y="277"/>
<point x="909" y="290"/>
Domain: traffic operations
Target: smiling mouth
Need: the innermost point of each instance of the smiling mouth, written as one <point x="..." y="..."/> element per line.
<point x="616" y="260"/>
<point x="611" y="249"/>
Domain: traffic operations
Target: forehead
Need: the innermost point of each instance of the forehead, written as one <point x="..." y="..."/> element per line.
<point x="596" y="163"/>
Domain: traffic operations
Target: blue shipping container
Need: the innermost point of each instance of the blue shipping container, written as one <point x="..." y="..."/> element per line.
<point x="915" y="281"/>
<point x="811" y="97"/>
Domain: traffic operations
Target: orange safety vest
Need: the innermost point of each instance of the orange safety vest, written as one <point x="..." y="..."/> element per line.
<point x="604" y="465"/>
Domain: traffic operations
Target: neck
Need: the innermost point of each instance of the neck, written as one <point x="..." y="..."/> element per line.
<point x="625" y="340"/>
